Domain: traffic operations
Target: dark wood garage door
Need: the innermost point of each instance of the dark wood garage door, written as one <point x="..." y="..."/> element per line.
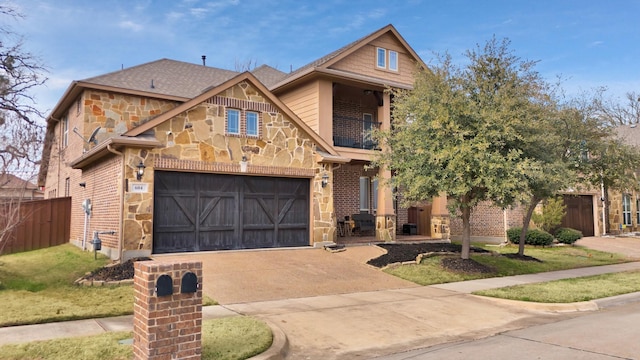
<point x="579" y="213"/>
<point x="199" y="212"/>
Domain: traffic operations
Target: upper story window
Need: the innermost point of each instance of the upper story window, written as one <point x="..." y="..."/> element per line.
<point x="243" y="123"/>
<point x="393" y="60"/>
<point x="233" y="121"/>
<point x="381" y="58"/>
<point x="252" y="123"/>
<point x="387" y="59"/>
<point x="65" y="131"/>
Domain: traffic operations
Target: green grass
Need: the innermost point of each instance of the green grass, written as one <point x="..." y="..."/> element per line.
<point x="222" y="339"/>
<point x="571" y="290"/>
<point x="44" y="278"/>
<point x="430" y="271"/>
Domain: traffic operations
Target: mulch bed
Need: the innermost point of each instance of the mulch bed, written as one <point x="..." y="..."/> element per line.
<point x="117" y="272"/>
<point x="408" y="252"/>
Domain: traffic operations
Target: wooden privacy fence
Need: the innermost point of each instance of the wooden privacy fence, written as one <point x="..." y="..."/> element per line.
<point x="40" y="224"/>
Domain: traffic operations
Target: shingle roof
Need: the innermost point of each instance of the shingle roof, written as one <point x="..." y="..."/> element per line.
<point x="268" y="75"/>
<point x="629" y="134"/>
<point x="165" y="77"/>
<point x="10" y="181"/>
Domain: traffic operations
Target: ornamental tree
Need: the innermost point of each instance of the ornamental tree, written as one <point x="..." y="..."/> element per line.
<point x="460" y="131"/>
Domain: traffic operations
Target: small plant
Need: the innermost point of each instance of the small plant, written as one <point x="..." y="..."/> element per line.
<point x="568" y="235"/>
<point x="534" y="237"/>
<point x="553" y="211"/>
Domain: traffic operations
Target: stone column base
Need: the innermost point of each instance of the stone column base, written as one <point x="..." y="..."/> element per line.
<point x="386" y="227"/>
<point x="440" y="227"/>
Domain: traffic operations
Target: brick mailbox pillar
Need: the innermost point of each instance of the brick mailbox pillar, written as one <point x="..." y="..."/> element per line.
<point x="167" y="319"/>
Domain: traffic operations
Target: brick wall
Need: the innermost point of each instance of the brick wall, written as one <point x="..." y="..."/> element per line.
<point x="488" y="220"/>
<point x="166" y="327"/>
<point x="105" y="198"/>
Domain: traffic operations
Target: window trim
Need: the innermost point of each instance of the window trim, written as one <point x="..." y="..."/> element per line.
<point x="365" y="185"/>
<point x="238" y="121"/>
<point x="257" y="124"/>
<point x="65" y="131"/>
<point x="395" y="62"/>
<point x="638" y="210"/>
<point x="381" y="51"/>
<point x="626" y="210"/>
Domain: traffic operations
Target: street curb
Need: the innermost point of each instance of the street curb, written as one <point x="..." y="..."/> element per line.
<point x="592" y="305"/>
<point x="279" y="347"/>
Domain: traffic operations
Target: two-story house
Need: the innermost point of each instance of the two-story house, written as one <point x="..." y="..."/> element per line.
<point x="174" y="157"/>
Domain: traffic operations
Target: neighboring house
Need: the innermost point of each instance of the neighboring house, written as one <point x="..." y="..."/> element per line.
<point x="490" y="223"/>
<point x="176" y="157"/>
<point x="15" y="188"/>
<point x="624" y="207"/>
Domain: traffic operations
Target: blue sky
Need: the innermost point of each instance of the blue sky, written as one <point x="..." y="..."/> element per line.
<point x="589" y="43"/>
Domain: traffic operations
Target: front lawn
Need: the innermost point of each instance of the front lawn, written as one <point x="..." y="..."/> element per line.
<point x="430" y="271"/>
<point x="37" y="287"/>
<point x="570" y="290"/>
<point x="236" y="337"/>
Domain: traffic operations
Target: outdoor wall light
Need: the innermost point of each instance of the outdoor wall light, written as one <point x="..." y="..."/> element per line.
<point x="325" y="180"/>
<point x="243" y="164"/>
<point x="140" y="171"/>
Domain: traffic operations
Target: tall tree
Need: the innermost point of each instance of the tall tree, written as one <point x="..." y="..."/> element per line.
<point x="625" y="112"/>
<point x="21" y="125"/>
<point x="458" y="131"/>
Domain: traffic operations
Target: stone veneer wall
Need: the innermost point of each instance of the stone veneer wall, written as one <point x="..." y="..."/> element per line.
<point x="615" y="213"/>
<point x="196" y="140"/>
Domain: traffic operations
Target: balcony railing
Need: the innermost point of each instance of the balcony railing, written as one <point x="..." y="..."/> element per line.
<point x="354" y="133"/>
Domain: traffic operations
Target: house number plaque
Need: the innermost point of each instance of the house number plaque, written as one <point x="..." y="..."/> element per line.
<point x="139" y="187"/>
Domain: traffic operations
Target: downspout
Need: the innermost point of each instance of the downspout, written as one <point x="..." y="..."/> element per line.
<point x="121" y="210"/>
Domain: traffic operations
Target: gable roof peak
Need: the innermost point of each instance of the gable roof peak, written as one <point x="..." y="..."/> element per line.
<point x="333" y="57"/>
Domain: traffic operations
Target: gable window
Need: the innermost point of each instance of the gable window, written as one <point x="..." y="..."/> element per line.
<point x="65" y="131"/>
<point x="252" y="123"/>
<point x="233" y="121"/>
<point x="381" y="58"/>
<point x="387" y="59"/>
<point x="393" y="60"/>
<point x="626" y="210"/>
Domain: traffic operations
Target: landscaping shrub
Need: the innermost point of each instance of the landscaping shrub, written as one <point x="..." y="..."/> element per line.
<point x="534" y="237"/>
<point x="568" y="235"/>
<point x="513" y="235"/>
<point x="538" y="237"/>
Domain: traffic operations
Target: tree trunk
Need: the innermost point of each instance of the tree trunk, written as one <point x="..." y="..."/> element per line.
<point x="466" y="231"/>
<point x="525" y="223"/>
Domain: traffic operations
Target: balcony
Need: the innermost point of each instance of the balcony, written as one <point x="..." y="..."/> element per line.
<point x="354" y="133"/>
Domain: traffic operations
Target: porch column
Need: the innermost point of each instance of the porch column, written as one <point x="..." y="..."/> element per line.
<point x="440" y="217"/>
<point x="385" y="214"/>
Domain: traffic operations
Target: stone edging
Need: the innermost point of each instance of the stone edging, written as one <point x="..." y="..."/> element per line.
<point x="89" y="282"/>
<point x="419" y="258"/>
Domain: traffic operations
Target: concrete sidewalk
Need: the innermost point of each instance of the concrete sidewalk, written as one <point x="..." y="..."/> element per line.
<point x="367" y="324"/>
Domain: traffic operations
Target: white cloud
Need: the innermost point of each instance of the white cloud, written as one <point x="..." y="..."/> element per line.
<point x="130" y="25"/>
<point x="596" y="43"/>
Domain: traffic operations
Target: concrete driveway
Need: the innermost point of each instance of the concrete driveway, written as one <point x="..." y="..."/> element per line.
<point x="233" y="277"/>
<point x="624" y="245"/>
